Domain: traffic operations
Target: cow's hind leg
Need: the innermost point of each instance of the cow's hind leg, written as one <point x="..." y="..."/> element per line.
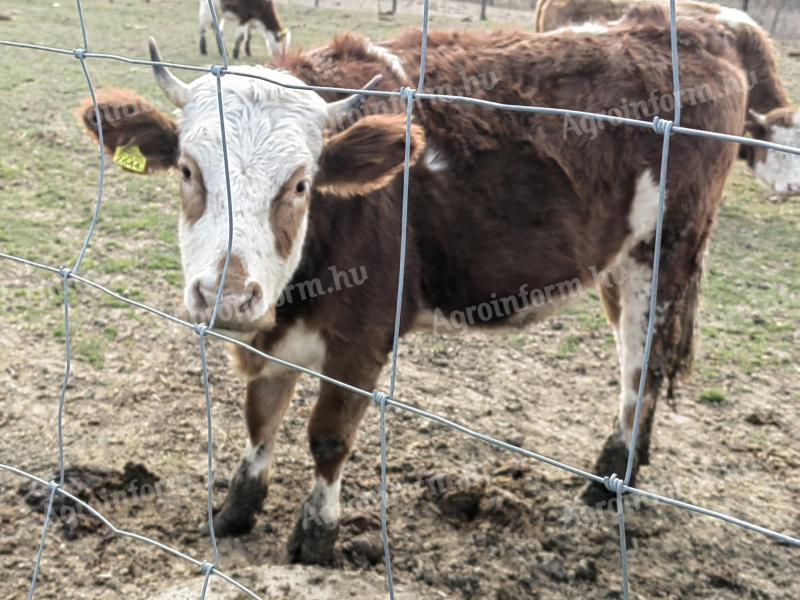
<point x="627" y="303"/>
<point x="331" y="431"/>
<point x="265" y="407"/>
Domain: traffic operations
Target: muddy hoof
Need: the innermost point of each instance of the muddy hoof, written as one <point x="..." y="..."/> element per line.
<point x="245" y="499"/>
<point x="229" y="522"/>
<point x="596" y="495"/>
<point x="312" y="541"/>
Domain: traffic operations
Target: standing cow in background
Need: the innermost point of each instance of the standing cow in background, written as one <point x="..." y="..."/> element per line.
<point x="260" y="15"/>
<point x="505" y="210"/>
<point x="771" y="115"/>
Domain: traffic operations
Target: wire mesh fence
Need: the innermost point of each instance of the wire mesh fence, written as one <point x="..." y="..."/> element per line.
<point x="383" y="400"/>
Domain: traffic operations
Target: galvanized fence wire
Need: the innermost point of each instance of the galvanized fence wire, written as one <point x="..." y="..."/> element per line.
<point x="612" y="482"/>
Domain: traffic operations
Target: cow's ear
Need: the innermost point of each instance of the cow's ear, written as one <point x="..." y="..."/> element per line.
<point x="146" y="137"/>
<point x="367" y="156"/>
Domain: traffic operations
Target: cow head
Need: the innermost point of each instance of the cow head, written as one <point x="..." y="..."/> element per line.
<point x="280" y="154"/>
<point x="779" y="170"/>
<point x="279" y="41"/>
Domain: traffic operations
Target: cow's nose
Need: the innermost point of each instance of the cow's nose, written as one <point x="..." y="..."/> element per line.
<point x="238" y="303"/>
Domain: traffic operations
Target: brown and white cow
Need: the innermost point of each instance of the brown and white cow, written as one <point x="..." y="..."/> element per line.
<point x="501" y="203"/>
<point x="771" y="115"/>
<point x="260" y="15"/>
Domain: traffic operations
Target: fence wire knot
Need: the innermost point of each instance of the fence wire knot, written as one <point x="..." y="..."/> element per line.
<point x="408" y="93"/>
<point x="207" y="567"/>
<point x="79" y="53"/>
<point x="662" y="126"/>
<point x="380" y="399"/>
<point x="613" y="483"/>
<point x="217" y="70"/>
<point x="200" y="329"/>
<point x="64" y="272"/>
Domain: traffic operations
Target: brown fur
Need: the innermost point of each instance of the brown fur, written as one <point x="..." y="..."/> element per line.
<point x="286" y="213"/>
<point x="519" y="203"/>
<point x="349" y="164"/>
<point x="754" y="50"/>
<point x="259" y="10"/>
<point x="193" y="192"/>
<point x="129" y="120"/>
<point x="517" y="188"/>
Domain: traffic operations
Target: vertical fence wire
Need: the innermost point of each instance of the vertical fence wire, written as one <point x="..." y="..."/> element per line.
<point x="616" y="485"/>
<point x="201" y="328"/>
<point x="663" y="128"/>
<point x="408" y="95"/>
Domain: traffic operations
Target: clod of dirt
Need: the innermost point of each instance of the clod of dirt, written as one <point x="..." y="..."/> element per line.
<point x="359" y="522"/>
<point x="554" y="569"/>
<point x="504" y="507"/>
<point x="586" y="570"/>
<point x="103" y="489"/>
<point x="762" y="418"/>
<point x="365" y="549"/>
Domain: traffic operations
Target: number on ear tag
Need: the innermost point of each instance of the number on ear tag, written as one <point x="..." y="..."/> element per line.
<point x="130" y="159"/>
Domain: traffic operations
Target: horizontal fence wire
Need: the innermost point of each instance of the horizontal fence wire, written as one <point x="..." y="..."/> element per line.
<point x="382" y="400"/>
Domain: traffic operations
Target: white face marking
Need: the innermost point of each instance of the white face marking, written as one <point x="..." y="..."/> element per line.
<point x="390" y="59"/>
<point x="781" y="171"/>
<point x="434" y="159"/>
<point x="271" y="132"/>
<point x="734" y="18"/>
<point x="301" y="346"/>
<point x="324" y="500"/>
<point x="258" y="459"/>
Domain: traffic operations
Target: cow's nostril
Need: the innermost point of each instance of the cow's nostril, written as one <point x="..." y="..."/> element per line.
<point x="200" y="296"/>
<point x="253" y="293"/>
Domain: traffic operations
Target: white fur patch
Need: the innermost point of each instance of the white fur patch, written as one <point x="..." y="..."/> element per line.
<point x="325" y="500"/>
<point x="635" y="299"/>
<point x="301" y="346"/>
<point x="733" y="17"/>
<point x="391" y="60"/>
<point x="588" y="27"/>
<point x="258" y="459"/>
<point x="635" y="294"/>
<point x="434" y="159"/>
<point x="644" y="208"/>
<point x="781" y="171"/>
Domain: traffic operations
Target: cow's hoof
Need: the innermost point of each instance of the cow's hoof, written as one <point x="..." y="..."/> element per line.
<point x="312" y="541"/>
<point x="245" y="498"/>
<point x="613" y="459"/>
<point x="229" y="522"/>
<point x="596" y="495"/>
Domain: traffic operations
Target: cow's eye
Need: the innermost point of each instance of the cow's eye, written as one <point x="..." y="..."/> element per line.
<point x="301" y="186"/>
<point x="186" y="171"/>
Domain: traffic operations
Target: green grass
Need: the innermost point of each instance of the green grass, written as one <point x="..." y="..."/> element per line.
<point x="712" y="397"/>
<point x="48" y="177"/>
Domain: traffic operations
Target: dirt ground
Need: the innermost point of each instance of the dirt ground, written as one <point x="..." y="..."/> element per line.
<point x="505" y="528"/>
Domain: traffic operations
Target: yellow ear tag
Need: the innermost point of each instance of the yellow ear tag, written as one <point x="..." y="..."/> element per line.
<point x="130" y="159"/>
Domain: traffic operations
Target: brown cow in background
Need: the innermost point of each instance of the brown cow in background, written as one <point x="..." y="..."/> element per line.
<point x="771" y="116"/>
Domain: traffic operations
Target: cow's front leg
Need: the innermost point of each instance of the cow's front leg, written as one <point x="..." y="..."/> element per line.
<point x="265" y="407"/>
<point x="331" y="431"/>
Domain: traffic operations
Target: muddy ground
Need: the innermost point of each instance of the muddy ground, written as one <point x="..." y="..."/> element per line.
<point x="506" y="528"/>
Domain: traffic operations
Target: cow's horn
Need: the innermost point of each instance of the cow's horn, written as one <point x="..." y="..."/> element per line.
<point x="342" y="109"/>
<point x="176" y="90"/>
<point x="758" y="118"/>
